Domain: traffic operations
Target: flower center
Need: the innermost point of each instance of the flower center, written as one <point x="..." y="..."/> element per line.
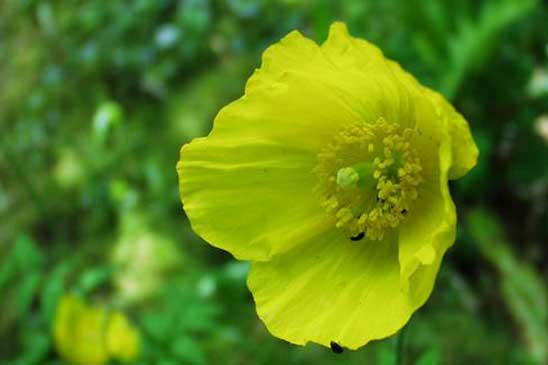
<point x="368" y="177"/>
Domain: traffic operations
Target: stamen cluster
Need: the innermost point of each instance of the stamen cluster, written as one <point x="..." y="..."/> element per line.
<point x="387" y="167"/>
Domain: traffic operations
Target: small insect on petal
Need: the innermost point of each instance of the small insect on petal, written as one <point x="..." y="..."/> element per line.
<point x="358" y="237"/>
<point x="336" y="348"/>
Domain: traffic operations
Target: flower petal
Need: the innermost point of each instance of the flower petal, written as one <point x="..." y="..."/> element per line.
<point x="400" y="97"/>
<point x="429" y="231"/>
<point x="364" y="64"/>
<point x="251" y="199"/>
<point x="366" y="78"/>
<point x="334" y="289"/>
<point x="248" y="186"/>
<point x="464" y="150"/>
<point x="296" y="94"/>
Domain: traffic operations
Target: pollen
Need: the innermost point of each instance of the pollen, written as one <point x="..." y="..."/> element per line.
<point x="368" y="178"/>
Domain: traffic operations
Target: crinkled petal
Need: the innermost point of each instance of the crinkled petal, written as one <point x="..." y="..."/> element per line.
<point x="430" y="228"/>
<point x="398" y="97"/>
<point x="248" y="186"/>
<point x="294" y="96"/>
<point x="365" y="67"/>
<point x="366" y="78"/>
<point x="334" y="289"/>
<point x="464" y="150"/>
<point x="252" y="199"/>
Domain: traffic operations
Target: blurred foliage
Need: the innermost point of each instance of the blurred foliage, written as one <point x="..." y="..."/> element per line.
<point x="522" y="287"/>
<point x="97" y="97"/>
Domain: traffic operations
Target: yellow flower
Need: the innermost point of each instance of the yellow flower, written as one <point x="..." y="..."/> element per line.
<point x="92" y="335"/>
<point x="122" y="340"/>
<point x="331" y="176"/>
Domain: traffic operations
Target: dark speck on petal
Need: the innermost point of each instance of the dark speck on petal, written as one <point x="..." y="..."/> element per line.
<point x="336" y="348"/>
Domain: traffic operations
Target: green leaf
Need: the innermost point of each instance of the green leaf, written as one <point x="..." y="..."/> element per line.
<point x="22" y="267"/>
<point x="187" y="350"/>
<point x="26" y="292"/>
<point x="7" y="271"/>
<point x="108" y="115"/>
<point x="386" y="355"/>
<point x="522" y="288"/>
<point x="53" y="288"/>
<point x="430" y="357"/>
<point x="36" y="344"/>
<point x="469" y="45"/>
<point x="26" y="254"/>
<point x="94" y="278"/>
<point x="528" y="159"/>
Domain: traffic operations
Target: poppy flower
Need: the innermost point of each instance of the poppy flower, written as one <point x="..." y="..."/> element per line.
<point x="330" y="175"/>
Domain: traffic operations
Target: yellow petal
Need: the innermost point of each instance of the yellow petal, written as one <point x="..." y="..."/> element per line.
<point x="248" y="186"/>
<point x="464" y="150"/>
<point x="333" y="289"/>
<point x="295" y="96"/>
<point x="383" y="89"/>
<point x="122" y="339"/>
<point x="78" y="332"/>
<point x="429" y="230"/>
<point x="398" y="93"/>
<point x="365" y="79"/>
<point x="252" y="200"/>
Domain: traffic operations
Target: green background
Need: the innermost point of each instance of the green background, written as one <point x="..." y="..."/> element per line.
<point x="96" y="98"/>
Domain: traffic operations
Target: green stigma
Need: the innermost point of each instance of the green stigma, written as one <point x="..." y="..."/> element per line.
<point x="347" y="177"/>
<point x="352" y="176"/>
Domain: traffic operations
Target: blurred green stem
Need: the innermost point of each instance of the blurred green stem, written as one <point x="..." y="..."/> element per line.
<point x="400" y="347"/>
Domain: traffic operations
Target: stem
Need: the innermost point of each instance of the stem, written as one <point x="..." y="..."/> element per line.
<point x="400" y="347"/>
